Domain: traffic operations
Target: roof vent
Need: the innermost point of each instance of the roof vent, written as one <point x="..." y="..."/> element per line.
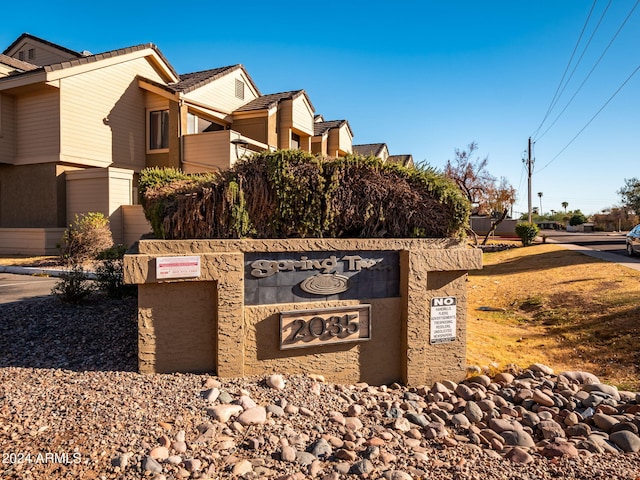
<point x="86" y="53"/>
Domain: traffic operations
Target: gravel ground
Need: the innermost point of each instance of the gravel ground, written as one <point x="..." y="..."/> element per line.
<point x="72" y="406"/>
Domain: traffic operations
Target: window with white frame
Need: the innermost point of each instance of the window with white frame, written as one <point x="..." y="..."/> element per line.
<point x="158" y="129"/>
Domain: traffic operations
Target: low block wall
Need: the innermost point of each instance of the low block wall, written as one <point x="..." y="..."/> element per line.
<point x="354" y="310"/>
<point x="30" y="241"/>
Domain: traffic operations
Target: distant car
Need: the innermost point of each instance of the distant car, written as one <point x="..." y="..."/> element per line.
<point x="633" y="241"/>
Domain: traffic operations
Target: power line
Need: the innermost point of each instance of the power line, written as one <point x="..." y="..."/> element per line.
<point x="582" y="54"/>
<point x="553" y="100"/>
<point x="592" y="118"/>
<point x="592" y="69"/>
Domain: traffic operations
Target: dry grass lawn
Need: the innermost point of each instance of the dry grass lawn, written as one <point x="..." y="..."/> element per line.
<point x="557" y="307"/>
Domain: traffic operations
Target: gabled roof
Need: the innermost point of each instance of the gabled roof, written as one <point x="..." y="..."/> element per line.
<point x="404" y="160"/>
<point x="41" y="40"/>
<point x="82" y="60"/>
<point x="322" y="127"/>
<point x="109" y="54"/>
<point x="192" y="81"/>
<point x="265" y="102"/>
<point x="366" y="149"/>
<point x="17" y="64"/>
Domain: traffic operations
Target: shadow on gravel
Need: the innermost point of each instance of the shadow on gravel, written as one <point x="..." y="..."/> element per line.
<point x="100" y="334"/>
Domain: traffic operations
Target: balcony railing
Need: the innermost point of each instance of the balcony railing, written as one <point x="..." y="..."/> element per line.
<point x="212" y="151"/>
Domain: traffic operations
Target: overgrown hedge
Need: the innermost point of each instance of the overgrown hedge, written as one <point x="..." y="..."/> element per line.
<point x="291" y="193"/>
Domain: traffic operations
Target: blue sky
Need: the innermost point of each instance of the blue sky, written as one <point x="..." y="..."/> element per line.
<point x="424" y="77"/>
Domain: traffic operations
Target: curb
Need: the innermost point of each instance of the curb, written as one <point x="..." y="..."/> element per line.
<point x="47" y="272"/>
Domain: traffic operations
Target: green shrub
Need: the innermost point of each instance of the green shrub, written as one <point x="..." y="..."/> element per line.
<point x="163" y="182"/>
<point x="577" y="219"/>
<point x="73" y="285"/>
<point x="527" y="232"/>
<point x="85" y="238"/>
<point x="110" y="273"/>
<point x="291" y="193"/>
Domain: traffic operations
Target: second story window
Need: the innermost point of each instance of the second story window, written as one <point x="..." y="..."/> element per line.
<point x="239" y="89"/>
<point x="158" y="129"/>
<point x="21" y="55"/>
<point x="31" y="53"/>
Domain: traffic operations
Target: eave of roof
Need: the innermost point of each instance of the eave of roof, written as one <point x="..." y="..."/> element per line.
<point x="41" y="40"/>
<point x="17" y="64"/>
<point x="110" y="54"/>
<point x="192" y="81"/>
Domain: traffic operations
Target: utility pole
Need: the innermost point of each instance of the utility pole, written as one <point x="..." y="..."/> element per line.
<point x="529" y="162"/>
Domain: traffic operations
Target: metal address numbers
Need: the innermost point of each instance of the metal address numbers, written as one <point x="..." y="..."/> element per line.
<point x="310" y="328"/>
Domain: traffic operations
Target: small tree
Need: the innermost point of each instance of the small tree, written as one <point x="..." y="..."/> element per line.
<point x="527" y="232"/>
<point x="486" y="195"/>
<point x="73" y="286"/>
<point x="577" y="219"/>
<point x="630" y="194"/>
<point x="85" y="238"/>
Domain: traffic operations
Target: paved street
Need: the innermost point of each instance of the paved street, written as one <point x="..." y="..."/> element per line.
<point x="605" y="246"/>
<point x="14" y="288"/>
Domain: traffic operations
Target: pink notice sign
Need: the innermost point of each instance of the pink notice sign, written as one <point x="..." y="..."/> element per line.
<point x="177" y="267"/>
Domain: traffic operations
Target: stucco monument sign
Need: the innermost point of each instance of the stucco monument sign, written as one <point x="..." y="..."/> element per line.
<point x="355" y="310"/>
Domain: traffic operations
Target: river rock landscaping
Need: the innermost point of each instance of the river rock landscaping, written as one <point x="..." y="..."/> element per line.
<point x="72" y="406"/>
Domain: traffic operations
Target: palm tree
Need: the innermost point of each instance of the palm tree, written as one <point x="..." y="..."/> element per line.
<point x="540" y="195"/>
<point x="565" y="205"/>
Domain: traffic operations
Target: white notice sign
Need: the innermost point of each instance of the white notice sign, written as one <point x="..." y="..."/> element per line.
<point x="177" y="267"/>
<point x="443" y="319"/>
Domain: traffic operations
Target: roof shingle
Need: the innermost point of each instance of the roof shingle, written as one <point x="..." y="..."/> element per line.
<point x="191" y="81"/>
<point x="17" y="64"/>
<point x="366" y="149"/>
<point x="266" y="102"/>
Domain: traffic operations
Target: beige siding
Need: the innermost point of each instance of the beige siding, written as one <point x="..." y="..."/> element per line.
<point x="339" y="141"/>
<point x="155" y="102"/>
<point x="221" y="93"/>
<point x="103" y="116"/>
<point x="346" y="140"/>
<point x="101" y="190"/>
<point x="38" y="125"/>
<point x="135" y="223"/>
<point x="7" y="129"/>
<point x="256" y="128"/>
<point x="209" y="151"/>
<point x="272" y="130"/>
<point x="44" y="54"/>
<point x="284" y="137"/>
<point x="302" y="115"/>
<point x="319" y="145"/>
<point x="30" y="241"/>
<point x="120" y="193"/>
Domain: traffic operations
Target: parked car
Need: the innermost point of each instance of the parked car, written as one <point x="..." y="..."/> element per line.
<point x="633" y="241"/>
